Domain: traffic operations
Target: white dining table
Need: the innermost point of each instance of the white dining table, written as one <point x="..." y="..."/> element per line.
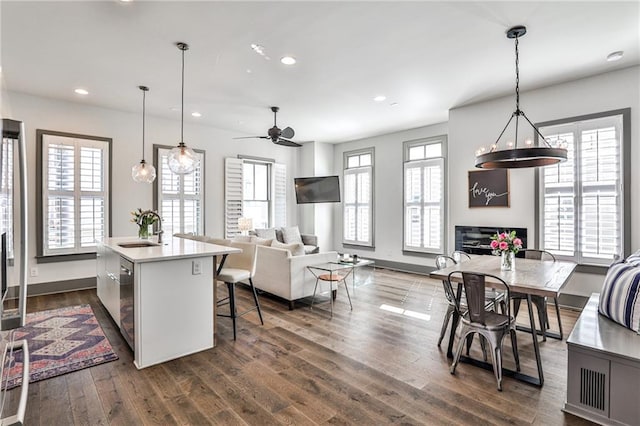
<point x="530" y="277"/>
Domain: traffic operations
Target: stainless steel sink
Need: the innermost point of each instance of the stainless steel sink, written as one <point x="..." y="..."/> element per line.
<point x="138" y="244"/>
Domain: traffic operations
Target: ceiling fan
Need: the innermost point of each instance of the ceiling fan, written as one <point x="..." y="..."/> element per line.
<point x="277" y="135"/>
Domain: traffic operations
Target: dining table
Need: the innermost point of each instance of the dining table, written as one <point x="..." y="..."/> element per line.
<point x="528" y="276"/>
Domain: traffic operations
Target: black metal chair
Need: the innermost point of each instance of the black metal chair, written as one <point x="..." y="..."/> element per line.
<point x="491" y="325"/>
<point x="540" y="302"/>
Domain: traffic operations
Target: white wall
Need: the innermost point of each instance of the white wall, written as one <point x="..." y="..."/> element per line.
<point x="125" y="130"/>
<point x="475" y="125"/>
<point x="387" y="197"/>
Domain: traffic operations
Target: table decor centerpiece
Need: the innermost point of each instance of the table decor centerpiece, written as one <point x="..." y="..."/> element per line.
<point x="506" y="245"/>
<point x="144" y="221"/>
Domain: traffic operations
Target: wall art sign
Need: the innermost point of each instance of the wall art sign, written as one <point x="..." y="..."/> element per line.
<point x="489" y="188"/>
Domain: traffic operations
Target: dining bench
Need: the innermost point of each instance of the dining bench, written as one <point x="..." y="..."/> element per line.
<point x="603" y="369"/>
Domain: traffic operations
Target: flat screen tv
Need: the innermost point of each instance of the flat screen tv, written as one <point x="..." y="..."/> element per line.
<point x="320" y="189"/>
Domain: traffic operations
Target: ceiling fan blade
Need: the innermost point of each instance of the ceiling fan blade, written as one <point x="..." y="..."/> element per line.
<point x="288" y="133"/>
<point x="286" y="142"/>
<point x="252" y="137"/>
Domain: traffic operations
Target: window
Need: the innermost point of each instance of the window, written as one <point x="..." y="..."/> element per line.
<point x="582" y="201"/>
<point x="6" y="192"/>
<point x="179" y="199"/>
<point x="424" y="200"/>
<point x="257" y="189"/>
<point x="256" y="194"/>
<point x="74" y="183"/>
<point x="358" y="196"/>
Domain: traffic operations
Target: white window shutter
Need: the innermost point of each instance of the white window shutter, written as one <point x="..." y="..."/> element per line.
<point x="232" y="195"/>
<point x="279" y="195"/>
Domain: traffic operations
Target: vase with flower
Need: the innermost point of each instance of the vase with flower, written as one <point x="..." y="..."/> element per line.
<point x="145" y="222"/>
<point x="506" y="244"/>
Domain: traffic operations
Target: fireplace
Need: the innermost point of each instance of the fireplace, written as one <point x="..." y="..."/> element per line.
<point x="476" y="239"/>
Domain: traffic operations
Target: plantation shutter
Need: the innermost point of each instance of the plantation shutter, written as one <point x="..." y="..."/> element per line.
<point x="232" y="195"/>
<point x="357" y="205"/>
<point x="75" y="194"/>
<point x="424" y="205"/>
<point x="279" y="195"/>
<point x="582" y="212"/>
<point x="180" y="197"/>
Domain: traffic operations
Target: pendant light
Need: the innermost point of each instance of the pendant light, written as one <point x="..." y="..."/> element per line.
<point x="181" y="159"/>
<point x="143" y="172"/>
<point x="544" y="154"/>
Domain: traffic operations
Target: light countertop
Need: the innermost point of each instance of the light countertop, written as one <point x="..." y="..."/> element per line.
<point x="171" y="248"/>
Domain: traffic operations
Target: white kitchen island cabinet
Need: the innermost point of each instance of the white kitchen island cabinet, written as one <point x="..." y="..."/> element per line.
<point x="161" y="296"/>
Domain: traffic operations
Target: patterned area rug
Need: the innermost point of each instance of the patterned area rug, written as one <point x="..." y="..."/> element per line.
<point x="60" y="341"/>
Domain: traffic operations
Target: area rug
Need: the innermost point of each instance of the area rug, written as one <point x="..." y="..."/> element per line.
<point x="60" y="341"/>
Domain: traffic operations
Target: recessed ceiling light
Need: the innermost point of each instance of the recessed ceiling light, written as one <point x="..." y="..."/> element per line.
<point x="615" y="56"/>
<point x="288" y="60"/>
<point x="393" y="104"/>
<point x="249" y="71"/>
<point x="81" y="91"/>
<point x="196" y="114"/>
<point x="379" y="98"/>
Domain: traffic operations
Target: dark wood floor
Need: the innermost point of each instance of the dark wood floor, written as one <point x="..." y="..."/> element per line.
<point x="368" y="367"/>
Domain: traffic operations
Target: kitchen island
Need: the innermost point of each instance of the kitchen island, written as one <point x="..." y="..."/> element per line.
<point x="162" y="296"/>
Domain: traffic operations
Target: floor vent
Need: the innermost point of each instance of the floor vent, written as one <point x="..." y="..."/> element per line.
<point x="592" y="388"/>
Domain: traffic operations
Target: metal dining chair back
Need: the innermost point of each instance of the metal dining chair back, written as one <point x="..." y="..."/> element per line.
<point x="540" y="302"/>
<point x="491" y="325"/>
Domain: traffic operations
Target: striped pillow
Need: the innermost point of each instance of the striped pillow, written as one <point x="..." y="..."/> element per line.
<point x="620" y="296"/>
<point x="634" y="259"/>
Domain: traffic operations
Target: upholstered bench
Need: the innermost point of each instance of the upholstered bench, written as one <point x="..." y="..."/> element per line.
<point x="603" y="378"/>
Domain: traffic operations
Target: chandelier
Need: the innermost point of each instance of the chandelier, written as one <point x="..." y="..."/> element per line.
<point x="514" y="157"/>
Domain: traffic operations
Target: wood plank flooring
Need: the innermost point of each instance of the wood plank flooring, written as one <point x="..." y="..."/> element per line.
<point x="377" y="364"/>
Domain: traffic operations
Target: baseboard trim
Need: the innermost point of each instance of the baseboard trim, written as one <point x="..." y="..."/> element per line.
<point x="52" y="287"/>
<point x="403" y="267"/>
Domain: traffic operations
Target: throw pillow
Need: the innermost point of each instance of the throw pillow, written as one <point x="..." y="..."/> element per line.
<point x="634" y="259"/>
<point x="291" y="235"/>
<point x="620" y="296"/>
<point x="268" y="233"/>
<point x="296" y="249"/>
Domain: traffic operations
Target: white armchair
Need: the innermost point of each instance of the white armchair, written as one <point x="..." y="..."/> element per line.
<point x="286" y="276"/>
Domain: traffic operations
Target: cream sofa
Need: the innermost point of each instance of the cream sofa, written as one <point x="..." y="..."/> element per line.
<point x="278" y="272"/>
<point x="286" y="276"/>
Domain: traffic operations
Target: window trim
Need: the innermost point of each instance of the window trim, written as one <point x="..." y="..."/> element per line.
<point x="345" y="167"/>
<point x="156" y="184"/>
<point x="40" y="256"/>
<point x="406" y="146"/>
<point x="625" y="151"/>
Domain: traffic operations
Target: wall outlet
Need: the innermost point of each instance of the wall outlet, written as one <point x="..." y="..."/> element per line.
<point x="196" y="267"/>
<point x="34" y="272"/>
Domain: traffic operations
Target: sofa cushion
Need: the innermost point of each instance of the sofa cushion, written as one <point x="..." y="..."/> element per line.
<point x="243" y="238"/>
<point x="296" y="249"/>
<point x="291" y="235"/>
<point x="267" y="233"/>
<point x="620" y="296"/>
<point x="261" y="241"/>
<point x="310" y="249"/>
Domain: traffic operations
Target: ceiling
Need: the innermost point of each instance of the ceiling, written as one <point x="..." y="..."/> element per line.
<point x="425" y="56"/>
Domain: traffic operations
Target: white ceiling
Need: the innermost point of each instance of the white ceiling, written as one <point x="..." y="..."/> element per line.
<point x="426" y="56"/>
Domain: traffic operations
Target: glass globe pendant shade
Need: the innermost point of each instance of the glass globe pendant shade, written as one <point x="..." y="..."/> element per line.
<point x="182" y="160"/>
<point x="143" y="172"/>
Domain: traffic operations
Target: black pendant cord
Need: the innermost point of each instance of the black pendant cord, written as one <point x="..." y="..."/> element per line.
<point x="144" y="95"/>
<point x="182" y="104"/>
<point x="517" y="78"/>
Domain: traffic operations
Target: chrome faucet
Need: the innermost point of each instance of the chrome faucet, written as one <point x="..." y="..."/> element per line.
<point x="152" y="213"/>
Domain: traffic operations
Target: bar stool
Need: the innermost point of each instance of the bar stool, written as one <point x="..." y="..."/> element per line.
<point x="239" y="267"/>
<point x="331" y="278"/>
